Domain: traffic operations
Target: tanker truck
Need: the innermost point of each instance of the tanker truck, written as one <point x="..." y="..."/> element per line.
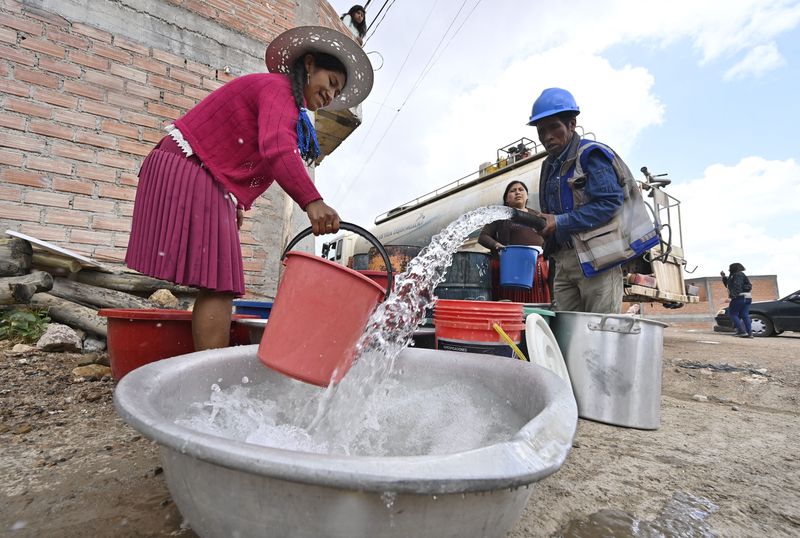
<point x="657" y="276"/>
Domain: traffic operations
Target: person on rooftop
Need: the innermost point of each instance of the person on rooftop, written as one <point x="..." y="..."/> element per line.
<point x="356" y="21"/>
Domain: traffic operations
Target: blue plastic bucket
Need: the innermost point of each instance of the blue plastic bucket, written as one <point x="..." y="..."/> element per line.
<point x="257" y="308"/>
<point x="518" y="265"/>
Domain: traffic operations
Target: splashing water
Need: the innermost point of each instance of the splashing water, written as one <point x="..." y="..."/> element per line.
<point x="391" y="328"/>
<point x="371" y="411"/>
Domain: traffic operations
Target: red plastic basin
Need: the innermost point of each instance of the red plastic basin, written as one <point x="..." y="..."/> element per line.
<point x="141" y="336"/>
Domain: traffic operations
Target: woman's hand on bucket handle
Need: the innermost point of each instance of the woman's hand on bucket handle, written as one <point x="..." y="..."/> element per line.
<point x="324" y="219"/>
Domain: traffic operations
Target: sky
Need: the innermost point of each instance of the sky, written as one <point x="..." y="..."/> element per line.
<point x="703" y="91"/>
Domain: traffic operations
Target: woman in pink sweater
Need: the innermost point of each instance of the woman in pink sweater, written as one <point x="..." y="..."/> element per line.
<point x="224" y="153"/>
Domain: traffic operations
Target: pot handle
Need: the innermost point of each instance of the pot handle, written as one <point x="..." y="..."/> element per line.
<point x="627" y="325"/>
<point x="363" y="233"/>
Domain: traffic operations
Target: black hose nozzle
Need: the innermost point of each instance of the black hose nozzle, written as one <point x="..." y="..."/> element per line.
<point x="529" y="219"/>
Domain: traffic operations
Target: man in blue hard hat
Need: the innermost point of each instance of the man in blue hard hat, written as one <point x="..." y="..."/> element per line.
<point x="594" y="213"/>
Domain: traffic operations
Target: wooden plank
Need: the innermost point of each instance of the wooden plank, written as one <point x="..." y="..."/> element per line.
<point x="86" y="294"/>
<point x="71" y="314"/>
<point x="15" y="256"/>
<point x="20" y="289"/>
<point x="86" y="262"/>
<point x="47" y="260"/>
<point x="129" y="282"/>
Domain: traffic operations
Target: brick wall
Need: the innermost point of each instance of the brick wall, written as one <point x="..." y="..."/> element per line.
<point x="85" y="93"/>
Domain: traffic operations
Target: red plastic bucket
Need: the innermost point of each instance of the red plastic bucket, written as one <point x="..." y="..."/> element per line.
<point x="479" y="308"/>
<point x="477" y="337"/>
<point x="319" y="314"/>
<point x="379" y="277"/>
<point x="140" y="336"/>
<point x="468" y="326"/>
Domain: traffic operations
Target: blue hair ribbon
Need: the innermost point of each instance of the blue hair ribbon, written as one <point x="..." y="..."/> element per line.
<point x="307" y="137"/>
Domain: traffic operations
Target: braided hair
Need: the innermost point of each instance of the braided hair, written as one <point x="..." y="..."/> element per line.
<point x="307" y="141"/>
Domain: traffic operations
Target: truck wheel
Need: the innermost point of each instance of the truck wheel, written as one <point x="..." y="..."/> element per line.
<point x="761" y="325"/>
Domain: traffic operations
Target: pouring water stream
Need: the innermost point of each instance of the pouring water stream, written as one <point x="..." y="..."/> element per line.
<point x="392" y="325"/>
<point x="352" y="417"/>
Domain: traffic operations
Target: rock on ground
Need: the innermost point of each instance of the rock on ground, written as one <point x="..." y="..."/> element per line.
<point x="59" y="337"/>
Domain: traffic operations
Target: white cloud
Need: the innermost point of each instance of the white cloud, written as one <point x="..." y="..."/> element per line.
<point x="615" y="102"/>
<point x="745" y="213"/>
<point x="758" y="61"/>
<point x="479" y="93"/>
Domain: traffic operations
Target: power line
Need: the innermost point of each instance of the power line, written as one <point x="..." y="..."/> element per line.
<point x="424" y="72"/>
<point x="378" y="23"/>
<point x="399" y="72"/>
<point x="448" y="42"/>
<point x="378" y="14"/>
<point x="415" y="86"/>
<point x="374" y="122"/>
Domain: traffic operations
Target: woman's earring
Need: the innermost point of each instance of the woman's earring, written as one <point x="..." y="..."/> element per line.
<point x="308" y="78"/>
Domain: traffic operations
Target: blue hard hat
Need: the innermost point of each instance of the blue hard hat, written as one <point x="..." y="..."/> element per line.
<point x="553" y="101"/>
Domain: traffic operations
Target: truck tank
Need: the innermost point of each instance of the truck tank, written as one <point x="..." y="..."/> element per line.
<point x="415" y="222"/>
<point x="655" y="277"/>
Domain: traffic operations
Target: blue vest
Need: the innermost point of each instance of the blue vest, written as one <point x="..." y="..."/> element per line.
<point x="628" y="235"/>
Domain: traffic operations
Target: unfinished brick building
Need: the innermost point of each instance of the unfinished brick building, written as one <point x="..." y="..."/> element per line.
<point x="86" y="87"/>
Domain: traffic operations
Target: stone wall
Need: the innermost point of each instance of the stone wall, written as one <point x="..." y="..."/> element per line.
<point x="86" y="87"/>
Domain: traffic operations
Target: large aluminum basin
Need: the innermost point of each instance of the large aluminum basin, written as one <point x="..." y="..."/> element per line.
<point x="227" y="488"/>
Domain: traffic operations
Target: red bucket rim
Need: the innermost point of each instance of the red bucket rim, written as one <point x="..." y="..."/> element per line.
<point x="475" y="305"/>
<point x="484" y="326"/>
<point x="354" y="272"/>
<point x="157" y="314"/>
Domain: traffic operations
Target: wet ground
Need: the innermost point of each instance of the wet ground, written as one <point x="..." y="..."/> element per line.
<point x="723" y="463"/>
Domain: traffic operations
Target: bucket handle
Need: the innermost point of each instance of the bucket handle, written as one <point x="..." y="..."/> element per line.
<point x="363" y="233"/>
<point x="631" y="322"/>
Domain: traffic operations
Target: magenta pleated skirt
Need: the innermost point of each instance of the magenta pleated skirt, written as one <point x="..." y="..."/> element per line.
<point x="184" y="226"/>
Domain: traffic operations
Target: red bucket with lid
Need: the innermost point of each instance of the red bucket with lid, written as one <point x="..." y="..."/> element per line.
<point x="468" y="326"/>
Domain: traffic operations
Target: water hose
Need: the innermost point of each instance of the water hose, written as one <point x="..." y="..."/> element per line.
<point x="521" y="356"/>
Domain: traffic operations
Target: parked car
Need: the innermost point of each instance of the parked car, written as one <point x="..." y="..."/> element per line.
<point x="768" y="317"/>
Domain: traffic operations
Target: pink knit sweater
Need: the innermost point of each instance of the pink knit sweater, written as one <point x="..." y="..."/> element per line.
<point x="246" y="135"/>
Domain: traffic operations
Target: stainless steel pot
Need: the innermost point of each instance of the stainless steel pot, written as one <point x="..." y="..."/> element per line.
<point x="614" y="363"/>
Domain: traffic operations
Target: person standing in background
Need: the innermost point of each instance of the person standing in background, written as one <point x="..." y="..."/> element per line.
<point x="499" y="234"/>
<point x="356" y="22"/>
<point x="739" y="288"/>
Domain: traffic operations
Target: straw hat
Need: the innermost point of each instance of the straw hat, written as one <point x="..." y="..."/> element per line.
<point x="292" y="44"/>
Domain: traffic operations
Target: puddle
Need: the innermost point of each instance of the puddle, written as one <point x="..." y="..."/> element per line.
<point x="683" y="517"/>
<point x="723" y="368"/>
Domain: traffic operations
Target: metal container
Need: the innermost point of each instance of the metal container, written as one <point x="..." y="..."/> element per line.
<point x="255" y="328"/>
<point x="614" y="362"/>
<point x="468" y="278"/>
<point x="399" y="256"/>
<point x="229" y="488"/>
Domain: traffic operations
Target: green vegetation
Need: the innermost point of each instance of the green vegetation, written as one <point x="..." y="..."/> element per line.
<point x="24" y="325"/>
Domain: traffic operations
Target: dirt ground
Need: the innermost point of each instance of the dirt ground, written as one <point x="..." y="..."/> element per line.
<point x="724" y="462"/>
